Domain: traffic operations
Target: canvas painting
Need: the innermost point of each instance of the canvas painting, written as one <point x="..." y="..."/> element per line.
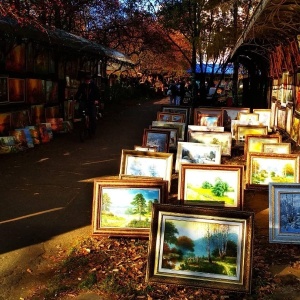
<point x="264" y="168"/>
<point x="284" y="218"/>
<point x="197" y="247"/>
<point x="197" y="153"/>
<point x="123" y="207"/>
<point x="224" y="139"/>
<point x="215" y="185"/>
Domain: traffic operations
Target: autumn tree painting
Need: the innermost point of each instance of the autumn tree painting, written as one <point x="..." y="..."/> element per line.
<point x="202" y="246"/>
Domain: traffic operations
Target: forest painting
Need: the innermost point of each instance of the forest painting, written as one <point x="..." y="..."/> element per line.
<point x="202" y="247"/>
<point x="284" y="213"/>
<point x="123" y="207"/>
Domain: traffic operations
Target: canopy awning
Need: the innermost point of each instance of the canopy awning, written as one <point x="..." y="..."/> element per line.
<point x="272" y="23"/>
<point x="59" y="38"/>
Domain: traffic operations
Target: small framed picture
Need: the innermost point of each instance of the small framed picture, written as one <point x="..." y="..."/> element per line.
<point x="16" y="90"/>
<point x="170" y="117"/>
<point x="180" y="126"/>
<point x="123" y="207"/>
<point x="206" y="128"/>
<point x="212" y="138"/>
<point x="284" y="207"/>
<point x="264" y="117"/>
<point x="211" y="185"/>
<point x="3" y="90"/>
<point x="200" y="247"/>
<point x="278" y="148"/>
<point x="179" y="110"/>
<point x="173" y="136"/>
<point x="295" y="128"/>
<point x="253" y="142"/>
<point x="231" y="113"/>
<point x="197" y="153"/>
<point x="264" y="168"/>
<point x="199" y="111"/>
<point x="156" y="138"/>
<point x="289" y="118"/>
<point x="249" y="118"/>
<point x="281" y="118"/>
<point x="141" y="148"/>
<point x="243" y="130"/>
<point x="143" y="163"/>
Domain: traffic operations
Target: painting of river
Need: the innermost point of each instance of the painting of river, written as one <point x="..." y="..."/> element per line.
<point x="201" y="247"/>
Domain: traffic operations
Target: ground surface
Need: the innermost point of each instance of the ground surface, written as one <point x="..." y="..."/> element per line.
<point x="47" y="251"/>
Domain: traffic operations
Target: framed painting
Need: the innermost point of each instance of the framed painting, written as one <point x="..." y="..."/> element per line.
<point x="249" y="118"/>
<point x="284" y="206"/>
<point x="37" y="114"/>
<point x="264" y="168"/>
<point x="281" y="118"/>
<point x="208" y="120"/>
<point x="295" y="128"/>
<point x="36" y="91"/>
<point x="142" y="148"/>
<point x="3" y="90"/>
<point x="231" y="113"/>
<point x="243" y="130"/>
<point x="198" y="111"/>
<point x="274" y="104"/>
<point x="289" y="118"/>
<point x="16" y="90"/>
<point x="5" y="123"/>
<point x="205" y="128"/>
<point x="123" y="207"/>
<point x="211" y="185"/>
<point x="180" y="126"/>
<point x="253" y="142"/>
<point x="20" y="119"/>
<point x="209" y="262"/>
<point x="170" y="117"/>
<point x="264" y="117"/>
<point x="156" y="138"/>
<point x="224" y="139"/>
<point x="278" y="148"/>
<point x="173" y="136"/>
<point x="143" y="163"/>
<point x="197" y="153"/>
<point x="179" y="110"/>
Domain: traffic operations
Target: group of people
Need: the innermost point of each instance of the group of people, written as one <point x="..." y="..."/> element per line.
<point x="177" y="91"/>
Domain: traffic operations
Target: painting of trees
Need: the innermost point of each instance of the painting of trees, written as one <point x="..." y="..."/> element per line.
<point x="139" y="204"/>
<point x="200" y="246"/>
<point x="289" y="212"/>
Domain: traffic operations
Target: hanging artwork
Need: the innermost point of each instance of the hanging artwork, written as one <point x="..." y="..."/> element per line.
<point x="3" y="90"/>
<point x="16" y="90"/>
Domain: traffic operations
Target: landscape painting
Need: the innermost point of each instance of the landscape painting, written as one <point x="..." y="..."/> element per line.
<point x="156" y="138"/>
<point x="224" y="139"/>
<point x="264" y="168"/>
<point x="197" y="153"/>
<point x="214" y="185"/>
<point x="144" y="163"/>
<point x="284" y="213"/>
<point x="123" y="207"/>
<point x="201" y="248"/>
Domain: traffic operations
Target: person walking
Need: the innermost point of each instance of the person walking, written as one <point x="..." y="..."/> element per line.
<point x="88" y="96"/>
<point x="172" y="92"/>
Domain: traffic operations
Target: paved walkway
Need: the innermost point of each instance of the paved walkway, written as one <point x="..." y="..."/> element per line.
<point x="46" y="196"/>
